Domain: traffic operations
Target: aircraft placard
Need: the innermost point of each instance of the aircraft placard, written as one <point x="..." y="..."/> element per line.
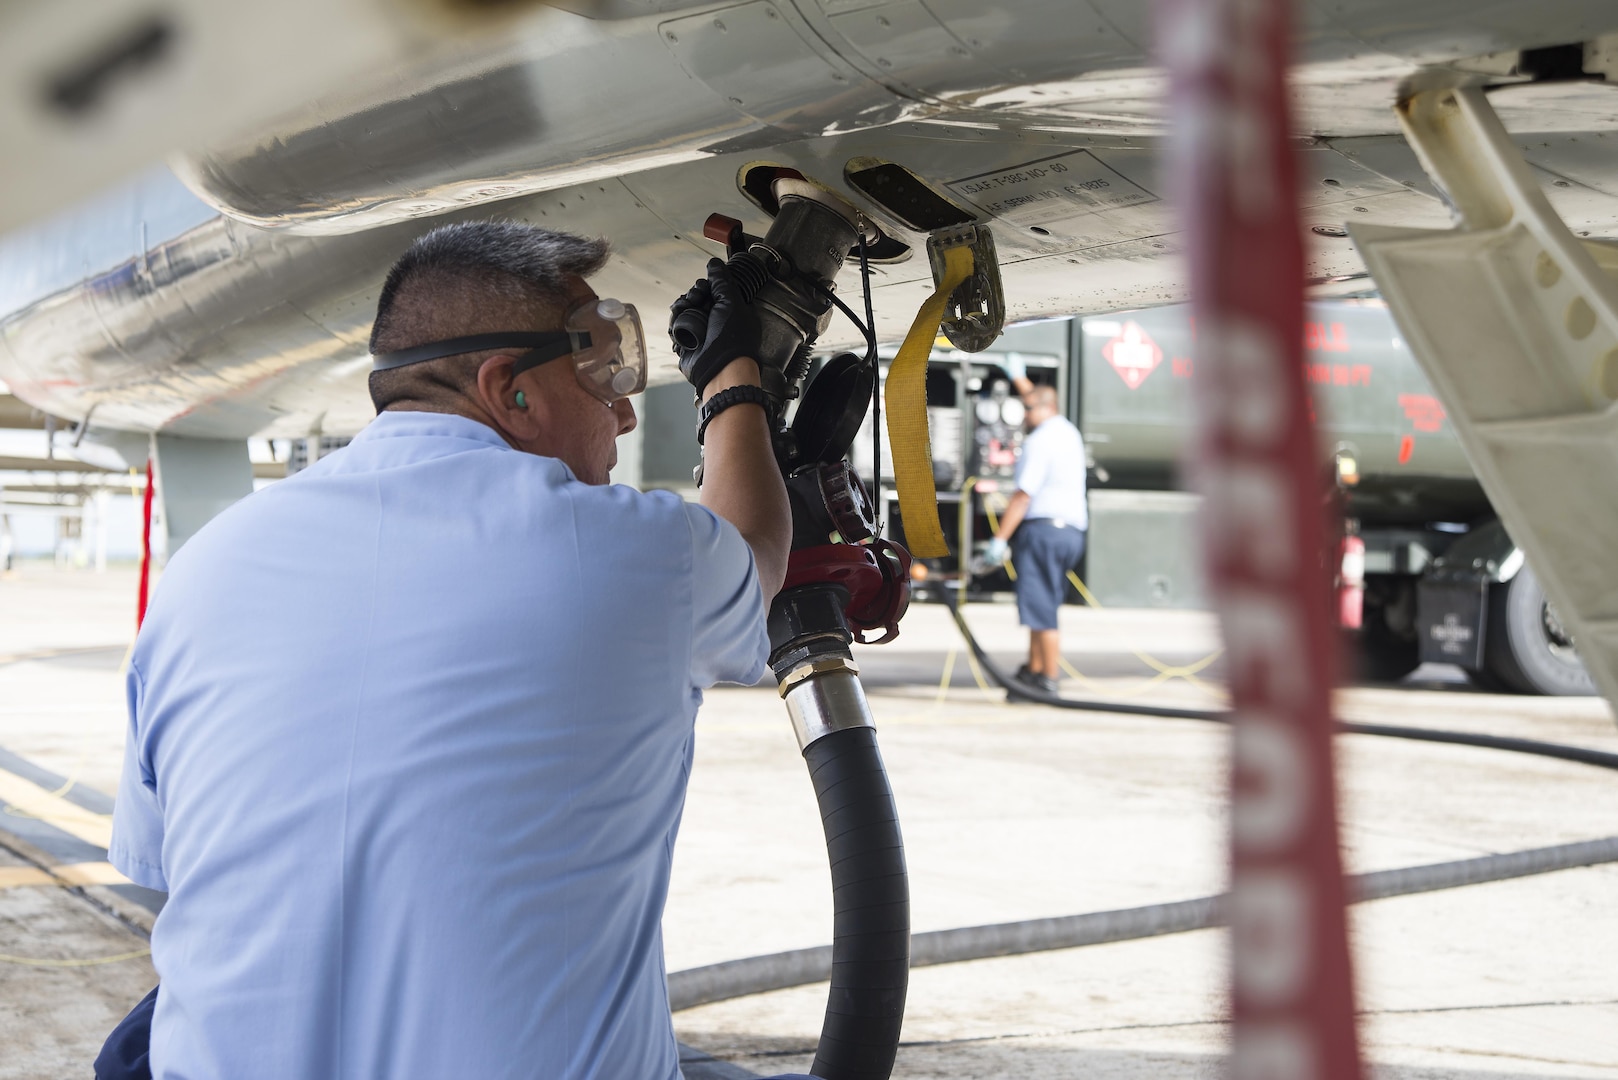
<point x="1051" y="190"/>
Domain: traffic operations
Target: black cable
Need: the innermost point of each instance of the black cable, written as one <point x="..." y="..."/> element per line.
<point x="865" y="331"/>
<point x="876" y="381"/>
<point x="868" y="332"/>
<point x="1582" y="755"/>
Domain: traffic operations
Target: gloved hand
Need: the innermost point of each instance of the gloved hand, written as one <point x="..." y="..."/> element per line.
<point x="1015" y="366"/>
<point x="688" y="318"/>
<point x="733" y="328"/>
<point x="997" y="551"/>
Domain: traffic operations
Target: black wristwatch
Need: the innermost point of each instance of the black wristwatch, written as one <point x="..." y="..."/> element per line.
<point x="724" y="399"/>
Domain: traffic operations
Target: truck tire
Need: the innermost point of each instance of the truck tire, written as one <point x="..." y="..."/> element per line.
<point x="1526" y="647"/>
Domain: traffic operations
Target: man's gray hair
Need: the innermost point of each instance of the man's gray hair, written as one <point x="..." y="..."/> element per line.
<point x="509" y="260"/>
<point x="475" y="277"/>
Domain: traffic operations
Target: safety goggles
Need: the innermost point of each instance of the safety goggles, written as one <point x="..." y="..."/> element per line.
<point x="602" y="336"/>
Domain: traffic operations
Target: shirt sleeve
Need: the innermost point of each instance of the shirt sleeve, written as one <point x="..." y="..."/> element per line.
<point x="729" y="642"/>
<point x="1034" y="466"/>
<point x="137" y="818"/>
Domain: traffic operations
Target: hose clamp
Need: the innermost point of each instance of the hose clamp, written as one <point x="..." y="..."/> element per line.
<point x="825" y="696"/>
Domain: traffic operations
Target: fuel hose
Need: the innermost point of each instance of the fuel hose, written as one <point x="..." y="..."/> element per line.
<point x="1014" y="688"/>
<point x="800" y="967"/>
<point x="870" y="960"/>
<point x="869" y="889"/>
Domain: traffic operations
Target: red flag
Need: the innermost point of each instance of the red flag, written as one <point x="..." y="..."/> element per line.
<point x="145" y="548"/>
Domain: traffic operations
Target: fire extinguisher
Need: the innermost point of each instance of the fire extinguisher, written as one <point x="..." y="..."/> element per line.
<point x="1350" y="579"/>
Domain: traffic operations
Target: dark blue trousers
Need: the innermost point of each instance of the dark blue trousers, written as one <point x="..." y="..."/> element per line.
<point x="1042" y="552"/>
<point x="124" y="1055"/>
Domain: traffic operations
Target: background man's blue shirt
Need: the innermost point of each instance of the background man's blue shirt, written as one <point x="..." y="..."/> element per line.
<point x="1051" y="470"/>
<point x="409" y="742"/>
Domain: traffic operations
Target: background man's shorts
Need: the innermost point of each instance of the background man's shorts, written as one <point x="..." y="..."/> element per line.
<point x="1042" y="552"/>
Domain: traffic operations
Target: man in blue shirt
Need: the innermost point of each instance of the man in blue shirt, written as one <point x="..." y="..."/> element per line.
<point x="410" y="731"/>
<point x="1044" y="526"/>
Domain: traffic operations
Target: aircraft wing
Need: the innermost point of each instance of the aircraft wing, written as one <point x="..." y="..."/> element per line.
<point x="232" y="295"/>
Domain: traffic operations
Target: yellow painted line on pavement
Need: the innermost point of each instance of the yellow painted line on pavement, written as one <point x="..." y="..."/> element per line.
<point x="89" y="873"/>
<point x="30" y="800"/>
<point x="12" y="877"/>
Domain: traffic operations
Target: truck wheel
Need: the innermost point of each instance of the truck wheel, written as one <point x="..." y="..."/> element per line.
<point x="1526" y="646"/>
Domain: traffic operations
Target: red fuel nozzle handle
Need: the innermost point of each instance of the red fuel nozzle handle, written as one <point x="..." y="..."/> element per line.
<point x="725" y="230"/>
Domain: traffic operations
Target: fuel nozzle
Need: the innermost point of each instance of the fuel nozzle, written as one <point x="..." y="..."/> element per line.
<point x="788" y="274"/>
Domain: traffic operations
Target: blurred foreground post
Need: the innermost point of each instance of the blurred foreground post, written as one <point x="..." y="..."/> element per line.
<point x="1262" y="477"/>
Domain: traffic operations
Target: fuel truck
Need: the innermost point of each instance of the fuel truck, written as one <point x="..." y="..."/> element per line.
<point x="1424" y="572"/>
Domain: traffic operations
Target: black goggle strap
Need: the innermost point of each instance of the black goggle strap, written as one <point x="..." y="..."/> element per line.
<point x="542" y="346"/>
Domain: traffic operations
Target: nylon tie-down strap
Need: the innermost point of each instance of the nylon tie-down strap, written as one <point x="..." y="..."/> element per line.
<point x="906" y="402"/>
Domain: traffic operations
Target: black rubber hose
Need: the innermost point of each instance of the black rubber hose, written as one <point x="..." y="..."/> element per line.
<point x="871" y="897"/>
<point x="1028" y="693"/>
<point x="1583" y="755"/>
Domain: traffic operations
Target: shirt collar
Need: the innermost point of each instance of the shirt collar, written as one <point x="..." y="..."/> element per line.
<point x="416" y="425"/>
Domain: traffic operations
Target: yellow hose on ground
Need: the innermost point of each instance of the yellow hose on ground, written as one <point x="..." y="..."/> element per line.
<point x="943" y="682"/>
<point x="28" y="961"/>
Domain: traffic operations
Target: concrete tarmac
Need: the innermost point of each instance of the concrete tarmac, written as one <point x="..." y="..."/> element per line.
<point x="1009" y="811"/>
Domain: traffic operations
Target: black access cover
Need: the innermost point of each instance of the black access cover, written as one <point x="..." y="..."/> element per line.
<point x="832" y="408"/>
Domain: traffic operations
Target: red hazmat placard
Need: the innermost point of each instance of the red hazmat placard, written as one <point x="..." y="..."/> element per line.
<point x="1133" y="354"/>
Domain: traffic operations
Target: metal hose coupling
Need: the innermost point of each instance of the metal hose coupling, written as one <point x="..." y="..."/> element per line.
<point x="824" y="696"/>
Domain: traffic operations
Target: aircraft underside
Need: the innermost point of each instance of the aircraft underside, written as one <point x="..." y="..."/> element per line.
<point x="238" y="303"/>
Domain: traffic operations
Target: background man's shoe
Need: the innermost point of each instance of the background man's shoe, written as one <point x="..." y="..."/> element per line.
<point x="1043" y="683"/>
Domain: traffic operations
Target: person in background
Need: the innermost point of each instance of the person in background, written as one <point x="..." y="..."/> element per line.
<point x="1044" y="525"/>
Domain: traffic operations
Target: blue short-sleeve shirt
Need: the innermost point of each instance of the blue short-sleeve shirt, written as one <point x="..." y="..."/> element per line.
<point x="1051" y="470"/>
<point x="409" y="741"/>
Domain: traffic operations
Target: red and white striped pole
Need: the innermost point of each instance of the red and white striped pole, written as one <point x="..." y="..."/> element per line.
<point x="1257" y="465"/>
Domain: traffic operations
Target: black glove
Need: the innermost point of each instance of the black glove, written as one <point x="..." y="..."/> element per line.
<point x="731" y="329"/>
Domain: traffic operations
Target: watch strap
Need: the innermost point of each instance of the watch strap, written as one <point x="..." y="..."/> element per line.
<point x="724" y="399"/>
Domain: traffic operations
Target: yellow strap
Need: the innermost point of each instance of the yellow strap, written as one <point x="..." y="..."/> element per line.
<point x="906" y="402"/>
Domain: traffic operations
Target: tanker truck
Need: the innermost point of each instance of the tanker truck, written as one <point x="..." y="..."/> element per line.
<point x="1426" y="571"/>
